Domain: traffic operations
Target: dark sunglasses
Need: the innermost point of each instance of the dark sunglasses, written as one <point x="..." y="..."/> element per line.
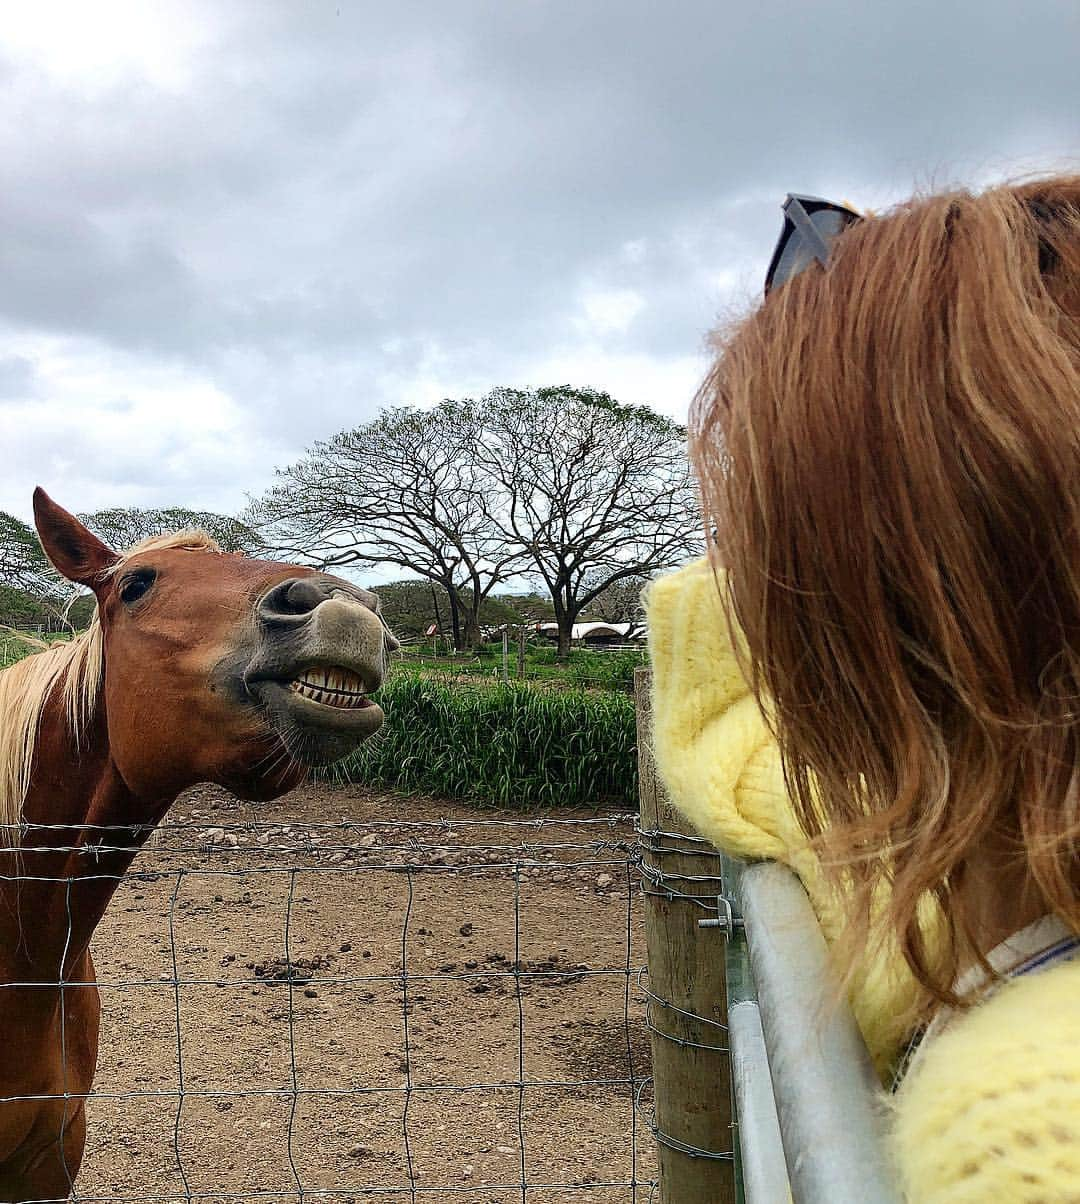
<point x="811" y="226"/>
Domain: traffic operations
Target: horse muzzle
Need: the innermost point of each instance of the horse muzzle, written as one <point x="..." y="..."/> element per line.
<point x="321" y="650"/>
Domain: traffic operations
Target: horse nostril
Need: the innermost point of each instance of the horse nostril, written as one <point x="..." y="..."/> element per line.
<point x="293" y="599"/>
<point x="302" y="596"/>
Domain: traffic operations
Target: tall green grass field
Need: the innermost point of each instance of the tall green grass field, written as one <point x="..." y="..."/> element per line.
<point x="507" y="744"/>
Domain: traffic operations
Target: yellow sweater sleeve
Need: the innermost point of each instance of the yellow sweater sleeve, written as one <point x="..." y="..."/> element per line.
<point x="721" y="768"/>
<point x="714" y="752"/>
<point x="992" y="1109"/>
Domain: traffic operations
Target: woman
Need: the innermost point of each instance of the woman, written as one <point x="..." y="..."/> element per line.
<point x="889" y="453"/>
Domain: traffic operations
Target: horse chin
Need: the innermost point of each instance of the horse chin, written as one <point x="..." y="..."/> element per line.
<point x="312" y="732"/>
<point x="266" y="782"/>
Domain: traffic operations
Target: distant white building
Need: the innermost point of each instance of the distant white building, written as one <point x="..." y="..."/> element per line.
<point x="599" y="632"/>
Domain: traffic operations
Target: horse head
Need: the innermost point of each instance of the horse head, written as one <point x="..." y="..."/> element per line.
<point x="218" y="667"/>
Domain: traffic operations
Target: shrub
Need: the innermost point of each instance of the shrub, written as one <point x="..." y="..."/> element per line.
<point x="605" y="670"/>
<point x="509" y="744"/>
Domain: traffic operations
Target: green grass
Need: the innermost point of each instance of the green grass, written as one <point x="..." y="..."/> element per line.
<point x="584" y="669"/>
<point x="507" y="744"/>
<point x="13" y="647"/>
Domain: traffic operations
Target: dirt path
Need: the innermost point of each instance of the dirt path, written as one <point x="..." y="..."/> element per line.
<point x="309" y="1061"/>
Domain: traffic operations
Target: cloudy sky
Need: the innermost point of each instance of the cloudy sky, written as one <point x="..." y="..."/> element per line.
<point x="230" y="229"/>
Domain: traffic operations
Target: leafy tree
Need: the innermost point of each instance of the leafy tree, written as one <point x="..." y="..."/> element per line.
<point x="408" y="606"/>
<point x="122" y="527"/>
<point x="533" y="608"/>
<point x="80" y="611"/>
<point x="23" y="564"/>
<point x="411" y="608"/>
<point x="21" y="609"/>
<point x="405" y="489"/>
<point x="593" y="492"/>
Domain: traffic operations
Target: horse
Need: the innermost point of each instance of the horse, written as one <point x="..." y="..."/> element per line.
<point x="200" y="666"/>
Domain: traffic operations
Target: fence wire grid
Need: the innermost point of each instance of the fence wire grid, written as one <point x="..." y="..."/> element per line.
<point x="412" y="1008"/>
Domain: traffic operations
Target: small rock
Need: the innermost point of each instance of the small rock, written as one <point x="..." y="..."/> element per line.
<point x="359" y="1151"/>
<point x="345" y="948"/>
<point x="466" y="930"/>
<point x="603" y="881"/>
<point x="311" y="993"/>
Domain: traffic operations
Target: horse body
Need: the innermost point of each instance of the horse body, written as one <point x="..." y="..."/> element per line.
<point x="43" y="1135"/>
<point x="202" y="667"/>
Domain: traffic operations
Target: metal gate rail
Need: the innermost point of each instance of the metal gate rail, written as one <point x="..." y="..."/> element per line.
<point x="806" y="1092"/>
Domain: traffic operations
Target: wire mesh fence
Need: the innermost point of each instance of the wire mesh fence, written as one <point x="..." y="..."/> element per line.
<point x="415" y="1004"/>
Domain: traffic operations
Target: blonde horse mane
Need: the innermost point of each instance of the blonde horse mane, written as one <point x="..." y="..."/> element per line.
<point x="77" y="666"/>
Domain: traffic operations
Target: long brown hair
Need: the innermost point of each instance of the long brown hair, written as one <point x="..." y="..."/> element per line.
<point x="889" y="451"/>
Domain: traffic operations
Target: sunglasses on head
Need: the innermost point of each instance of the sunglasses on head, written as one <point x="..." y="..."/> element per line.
<point x="811" y="226"/>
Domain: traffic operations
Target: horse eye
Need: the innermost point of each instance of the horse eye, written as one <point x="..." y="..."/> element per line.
<point x="136" y="585"/>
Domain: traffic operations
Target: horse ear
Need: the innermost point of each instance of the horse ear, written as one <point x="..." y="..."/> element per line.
<point x="73" y="550"/>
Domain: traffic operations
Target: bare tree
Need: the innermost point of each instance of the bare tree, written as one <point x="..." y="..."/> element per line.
<point x="122" y="527"/>
<point x="593" y="492"/>
<point x="406" y="490"/>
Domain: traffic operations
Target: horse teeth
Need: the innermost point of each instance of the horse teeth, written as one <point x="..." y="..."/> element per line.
<point x="334" y="687"/>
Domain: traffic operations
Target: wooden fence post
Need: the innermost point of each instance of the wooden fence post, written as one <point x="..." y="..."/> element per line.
<point x="687" y="1009"/>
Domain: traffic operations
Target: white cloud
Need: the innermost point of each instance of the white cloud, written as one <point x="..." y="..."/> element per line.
<point x="94" y="46"/>
<point x="110" y="429"/>
<point x="609" y="310"/>
<point x="230" y="230"/>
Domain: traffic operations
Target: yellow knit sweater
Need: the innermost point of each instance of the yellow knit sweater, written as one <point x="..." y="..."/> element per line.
<point x="992" y="1110"/>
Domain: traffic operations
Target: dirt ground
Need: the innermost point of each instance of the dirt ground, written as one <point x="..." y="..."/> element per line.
<point x="364" y="996"/>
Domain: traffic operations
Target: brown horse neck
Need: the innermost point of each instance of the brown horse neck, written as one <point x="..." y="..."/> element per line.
<point x="82" y="830"/>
